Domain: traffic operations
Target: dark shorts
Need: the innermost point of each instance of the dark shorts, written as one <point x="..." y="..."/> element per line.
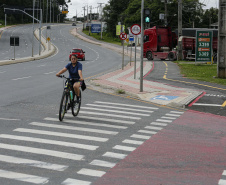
<point x="76" y="81"/>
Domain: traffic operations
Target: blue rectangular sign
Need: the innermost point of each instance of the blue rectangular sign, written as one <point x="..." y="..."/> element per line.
<point x="95" y="28"/>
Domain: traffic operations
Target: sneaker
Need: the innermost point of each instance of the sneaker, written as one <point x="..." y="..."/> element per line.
<point x="78" y="100"/>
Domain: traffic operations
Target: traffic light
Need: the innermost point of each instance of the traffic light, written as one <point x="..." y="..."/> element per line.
<point x="147" y="15"/>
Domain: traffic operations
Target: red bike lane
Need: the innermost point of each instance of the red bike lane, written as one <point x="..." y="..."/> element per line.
<point x="191" y="150"/>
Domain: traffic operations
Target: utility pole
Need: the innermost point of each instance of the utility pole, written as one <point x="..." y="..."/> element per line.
<point x="221" y="52"/>
<point x="50" y="3"/>
<point x="142" y="48"/>
<point x="166" y="13"/>
<point x="100" y="11"/>
<point x="179" y="56"/>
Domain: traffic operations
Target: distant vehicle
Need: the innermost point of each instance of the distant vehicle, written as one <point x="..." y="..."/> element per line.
<point x="73" y="24"/>
<point x="79" y="52"/>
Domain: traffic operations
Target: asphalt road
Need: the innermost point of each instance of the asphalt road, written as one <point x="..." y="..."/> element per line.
<point x="36" y="148"/>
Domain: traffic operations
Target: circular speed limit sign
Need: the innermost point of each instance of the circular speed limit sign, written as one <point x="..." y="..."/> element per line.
<point x="123" y="36"/>
<point x="135" y="29"/>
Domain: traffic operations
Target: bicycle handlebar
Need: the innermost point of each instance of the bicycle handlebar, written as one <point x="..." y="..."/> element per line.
<point x="62" y="76"/>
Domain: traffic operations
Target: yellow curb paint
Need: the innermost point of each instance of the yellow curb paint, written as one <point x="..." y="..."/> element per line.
<point x="192" y="82"/>
<point x="224" y="104"/>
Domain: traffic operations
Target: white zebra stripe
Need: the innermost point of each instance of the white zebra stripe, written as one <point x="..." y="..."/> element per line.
<point x="23" y="177"/>
<point x="60" y="134"/>
<point x="34" y="163"/>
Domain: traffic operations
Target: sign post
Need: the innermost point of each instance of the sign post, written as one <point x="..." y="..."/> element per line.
<point x="203" y="51"/>
<point x="14" y="41"/>
<point x="123" y="36"/>
<point x="135" y="29"/>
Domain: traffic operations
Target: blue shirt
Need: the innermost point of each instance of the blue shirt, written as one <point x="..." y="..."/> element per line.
<point x="73" y="71"/>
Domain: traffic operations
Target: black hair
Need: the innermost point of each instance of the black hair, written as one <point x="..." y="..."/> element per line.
<point x="74" y="56"/>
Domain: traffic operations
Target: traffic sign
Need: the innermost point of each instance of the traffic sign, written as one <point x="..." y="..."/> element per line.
<point x="135" y="29"/>
<point x="123" y="36"/>
<point x="65" y="12"/>
<point x="48" y="38"/>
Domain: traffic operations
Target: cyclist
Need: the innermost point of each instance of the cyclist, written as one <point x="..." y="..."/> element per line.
<point x="75" y="72"/>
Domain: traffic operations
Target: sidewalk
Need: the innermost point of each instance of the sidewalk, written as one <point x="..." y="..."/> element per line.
<point x="154" y="92"/>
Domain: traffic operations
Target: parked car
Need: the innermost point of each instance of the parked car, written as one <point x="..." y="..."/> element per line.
<point x="79" y="52"/>
<point x="73" y="24"/>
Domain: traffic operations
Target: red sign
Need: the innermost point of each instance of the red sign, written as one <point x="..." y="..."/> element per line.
<point x="123" y="36"/>
<point x="135" y="29"/>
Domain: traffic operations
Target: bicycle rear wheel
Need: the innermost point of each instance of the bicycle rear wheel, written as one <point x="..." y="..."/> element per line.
<point x="76" y="106"/>
<point x="63" y="106"/>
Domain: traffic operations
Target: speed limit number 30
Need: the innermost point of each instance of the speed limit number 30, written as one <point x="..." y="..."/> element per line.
<point x="135" y="29"/>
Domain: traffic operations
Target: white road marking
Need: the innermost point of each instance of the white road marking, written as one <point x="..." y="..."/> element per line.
<point x="103" y="163"/>
<point x="33" y="150"/>
<point x="204" y="104"/>
<point x="115" y="111"/>
<point x="114" y="155"/>
<point x="70" y="181"/>
<point x="128" y="141"/>
<point x="8" y="119"/>
<point x="87" y="123"/>
<point x="90" y="172"/>
<point x="120" y="108"/>
<point x="147" y="131"/>
<point x="153" y="128"/>
<point x="176" y="112"/>
<point x="22" y="78"/>
<point x="160" y="124"/>
<point x="164" y="117"/>
<point x="60" y="134"/>
<point x="176" y="115"/>
<point x="34" y="163"/>
<point x="108" y="120"/>
<point x="127" y="105"/>
<point x="164" y="120"/>
<point x="50" y="72"/>
<point x="52" y="142"/>
<point x="124" y="148"/>
<point x="140" y="136"/>
<point x="23" y="177"/>
<point x="74" y="128"/>
<point x="111" y="115"/>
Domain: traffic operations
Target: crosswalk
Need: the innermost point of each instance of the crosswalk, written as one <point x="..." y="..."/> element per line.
<point x="73" y="139"/>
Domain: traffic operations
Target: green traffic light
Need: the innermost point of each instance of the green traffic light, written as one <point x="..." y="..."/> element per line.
<point x="147" y="19"/>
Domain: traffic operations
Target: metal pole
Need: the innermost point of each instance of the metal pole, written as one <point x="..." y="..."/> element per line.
<point x="5" y="19"/>
<point x="122" y="54"/>
<point x="40" y="26"/>
<point x="130" y="53"/>
<point x="141" y="55"/>
<point x="50" y="11"/>
<point x="165" y="17"/>
<point x="179" y="30"/>
<point x="221" y="52"/>
<point x="32" y="52"/>
<point x="135" y="62"/>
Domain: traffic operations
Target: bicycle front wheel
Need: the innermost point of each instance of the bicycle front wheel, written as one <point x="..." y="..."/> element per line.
<point x="63" y="106"/>
<point x="76" y="107"/>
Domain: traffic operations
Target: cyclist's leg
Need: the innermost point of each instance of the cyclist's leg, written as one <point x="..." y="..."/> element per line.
<point x="76" y="89"/>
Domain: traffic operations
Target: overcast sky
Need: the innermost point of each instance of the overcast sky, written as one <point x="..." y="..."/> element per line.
<point x="78" y="5"/>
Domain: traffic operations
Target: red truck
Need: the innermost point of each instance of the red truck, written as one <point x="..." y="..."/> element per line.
<point x="160" y="42"/>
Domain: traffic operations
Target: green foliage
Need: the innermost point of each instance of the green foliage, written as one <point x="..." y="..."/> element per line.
<point x="23" y="18"/>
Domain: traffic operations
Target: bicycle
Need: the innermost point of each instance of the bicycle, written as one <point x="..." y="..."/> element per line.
<point x="68" y="95"/>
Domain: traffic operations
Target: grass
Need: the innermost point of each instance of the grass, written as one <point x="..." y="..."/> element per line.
<point x="120" y="91"/>
<point x="201" y="72"/>
<point x="105" y="38"/>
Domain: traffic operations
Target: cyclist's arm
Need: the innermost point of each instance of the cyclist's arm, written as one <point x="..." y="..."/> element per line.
<point x="61" y="71"/>
<point x="80" y="74"/>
